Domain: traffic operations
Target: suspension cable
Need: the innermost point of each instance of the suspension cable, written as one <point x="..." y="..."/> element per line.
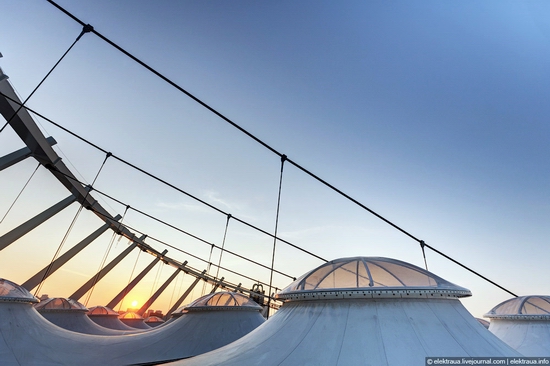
<point x="170" y="303"/>
<point x="226" y="119"/>
<point x="47" y="272"/>
<point x="166" y="79"/>
<point x="85" y="29"/>
<point x="204" y="241"/>
<point x="182" y="231"/>
<point x="283" y="159"/>
<point x="198" y="258"/>
<point x="176" y="228"/>
<point x="250" y="225"/>
<point x="111" y="241"/>
<point x="126" y="291"/>
<point x="470" y="270"/>
<point x="163" y="181"/>
<point x="211" y="109"/>
<point x="422" y="245"/>
<point x="207" y="269"/>
<point x="205" y="261"/>
<point x="20" y="192"/>
<point x="223" y="244"/>
<point x="105" y="256"/>
<point x="159" y="271"/>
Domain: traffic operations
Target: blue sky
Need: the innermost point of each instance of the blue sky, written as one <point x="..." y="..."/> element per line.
<point x="433" y="114"/>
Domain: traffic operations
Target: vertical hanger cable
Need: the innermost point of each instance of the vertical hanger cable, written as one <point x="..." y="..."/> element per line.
<point x="283" y="159"/>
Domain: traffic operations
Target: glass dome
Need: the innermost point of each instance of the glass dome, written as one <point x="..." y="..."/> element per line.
<point x="101" y="311"/>
<point x="59" y="304"/>
<point x="223" y="301"/>
<point x="130" y="315"/>
<point x="369" y="277"/>
<point x="523" y="307"/>
<point x="154" y="319"/>
<point x="11" y="292"/>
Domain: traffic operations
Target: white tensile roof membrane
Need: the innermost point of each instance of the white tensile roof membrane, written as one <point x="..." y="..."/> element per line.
<point x="71" y="315"/>
<point x="363" y="311"/>
<point x="219" y="300"/>
<point x="524" y="324"/>
<point x="26" y="338"/>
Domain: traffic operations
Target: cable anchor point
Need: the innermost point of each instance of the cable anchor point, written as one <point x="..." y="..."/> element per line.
<point x="87" y="28"/>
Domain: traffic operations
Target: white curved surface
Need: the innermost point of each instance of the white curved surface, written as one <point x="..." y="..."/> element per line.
<point x="80" y="322"/>
<point x="529" y="337"/>
<point x="523" y="323"/>
<point x="111" y="322"/>
<point x="26" y="338"/>
<point x="377" y="332"/>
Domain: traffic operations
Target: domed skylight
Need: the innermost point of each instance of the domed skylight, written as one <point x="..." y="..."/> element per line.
<point x="101" y="311"/>
<point x="11" y="292"/>
<point x="522" y="307"/>
<point x="154" y="319"/>
<point x="130" y="315"/>
<point x="59" y="304"/>
<point x="368" y="277"/>
<point x="223" y="301"/>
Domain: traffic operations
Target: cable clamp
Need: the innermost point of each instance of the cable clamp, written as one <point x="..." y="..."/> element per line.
<point x="87" y="29"/>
